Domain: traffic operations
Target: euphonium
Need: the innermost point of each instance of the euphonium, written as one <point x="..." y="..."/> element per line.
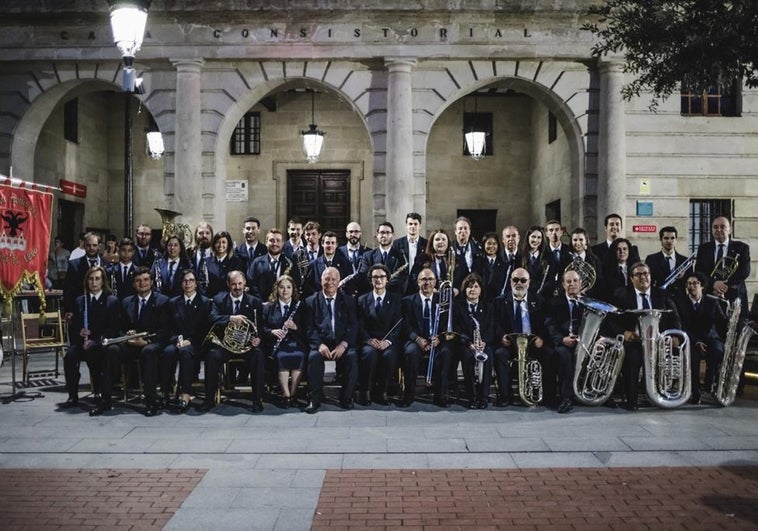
<point x="529" y="372"/>
<point x="236" y="337"/>
<point x="480" y="357"/>
<point x="668" y="374"/>
<point x="170" y="228"/>
<point x="735" y="348"/>
<point x="598" y="361"/>
<point x="586" y="272"/>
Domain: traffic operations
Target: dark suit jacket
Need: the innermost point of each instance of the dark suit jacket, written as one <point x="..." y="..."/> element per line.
<point x="413" y="316"/>
<point x="375" y="324"/>
<point x="395" y="260"/>
<point x="345" y="321"/>
<point x="122" y="287"/>
<point x="464" y="324"/>
<point x="358" y="284"/>
<point x="223" y="307"/>
<point x="494" y="276"/>
<point x="504" y="315"/>
<point x="700" y="325"/>
<point x="217" y="272"/>
<point x="168" y="288"/>
<point x="510" y="265"/>
<point x="558" y="319"/>
<point x="73" y="286"/>
<point x="103" y="319"/>
<point x="273" y="319"/>
<point x="191" y="322"/>
<point x="240" y="252"/>
<point x="260" y="278"/>
<point x="312" y="281"/>
<point x="402" y="245"/>
<point x="706" y="261"/>
<point x="153" y="318"/>
<point x="150" y="257"/>
<point x="659" y="267"/>
<point x="626" y="299"/>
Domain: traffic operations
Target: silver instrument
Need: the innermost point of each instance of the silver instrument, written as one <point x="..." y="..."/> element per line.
<point x="445" y="300"/>
<point x="598" y="361"/>
<point x="668" y="373"/>
<point x="447" y="286"/>
<point x="157" y="273"/>
<point x="735" y="348"/>
<point x="684" y="266"/>
<point x="529" y="372"/>
<point x="480" y="357"/>
<point x="586" y="272"/>
<point x="127" y="337"/>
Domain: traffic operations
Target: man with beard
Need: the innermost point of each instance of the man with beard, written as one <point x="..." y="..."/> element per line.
<point x="355" y="283"/>
<point x="144" y="255"/>
<point x="201" y="253"/>
<point x="389" y="256"/>
<point x="266" y="269"/>
<point x="251" y="248"/>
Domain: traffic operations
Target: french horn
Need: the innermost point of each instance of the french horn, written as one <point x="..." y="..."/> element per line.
<point x="236" y="336"/>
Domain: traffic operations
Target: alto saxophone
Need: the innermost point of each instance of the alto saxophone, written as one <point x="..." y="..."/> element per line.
<point x="480" y="356"/>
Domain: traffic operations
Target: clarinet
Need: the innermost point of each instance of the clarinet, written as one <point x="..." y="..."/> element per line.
<point x="85" y="322"/>
<point x="286" y="330"/>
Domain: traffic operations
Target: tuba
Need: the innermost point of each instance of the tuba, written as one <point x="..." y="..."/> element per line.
<point x="170" y="228"/>
<point x="236" y="337"/>
<point x="668" y="374"/>
<point x="586" y="272"/>
<point x="735" y="348"/>
<point x="598" y="361"/>
<point x="529" y="372"/>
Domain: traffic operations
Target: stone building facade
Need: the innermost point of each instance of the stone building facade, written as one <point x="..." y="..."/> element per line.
<point x="389" y="82"/>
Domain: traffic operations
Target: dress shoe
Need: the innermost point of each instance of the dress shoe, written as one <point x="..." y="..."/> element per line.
<point x="184" y="405"/>
<point x="441" y="402"/>
<point x="610" y="404"/>
<point x="151" y="410"/>
<point x="347" y="403"/>
<point x="502" y="401"/>
<point x="206" y="406"/>
<point x="473" y="405"/>
<point x="630" y="406"/>
<point x="256" y="406"/>
<point x="101" y="408"/>
<point x="313" y="406"/>
<point x="285" y="402"/>
<point x="363" y="399"/>
<point x="565" y="406"/>
<point x="482" y="405"/>
<point x="73" y="401"/>
<point x="383" y="399"/>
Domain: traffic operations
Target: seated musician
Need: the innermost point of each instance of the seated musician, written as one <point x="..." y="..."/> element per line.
<point x="420" y="317"/>
<point x="563" y="319"/>
<point x="235" y="308"/>
<point x="97" y="315"/>
<point x="700" y="316"/>
<point x="329" y="258"/>
<point x="521" y="312"/>
<point x="379" y="337"/>
<point x="143" y="312"/>
<point x="188" y="322"/>
<point x="284" y="330"/>
<point x="473" y="321"/>
<point x="332" y="335"/>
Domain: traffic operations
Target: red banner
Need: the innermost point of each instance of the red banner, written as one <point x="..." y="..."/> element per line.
<point x="25" y="221"/>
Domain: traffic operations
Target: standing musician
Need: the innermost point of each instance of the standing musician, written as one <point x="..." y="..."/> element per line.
<point x="284" y="330"/>
<point x="639" y="296"/>
<point x="473" y="318"/>
<point x="265" y="269"/>
<point x="169" y="270"/>
<point x="561" y="254"/>
<point x="563" y="321"/>
<point x="615" y="273"/>
<point x="436" y="256"/>
<point x="144" y="255"/>
<point x="235" y="308"/>
<point x="330" y="258"/>
<point x="145" y="311"/>
<point x="511" y="256"/>
<point x="250" y="248"/>
<point x="354" y="251"/>
<point x="188" y="321"/>
<point x="96" y="315"/>
<point x="312" y="234"/>
<point x="580" y="250"/>
<point x="201" y="253"/>
<point x="379" y="336"/>
<point x="536" y="260"/>
<point x="121" y="274"/>
<point x="613" y="225"/>
<point x="665" y="261"/>
<point x="221" y="262"/>
<point x="521" y="312"/>
<point x="77" y="268"/>
<point x="332" y="336"/>
<point x="494" y="267"/>
<point x="411" y="245"/>
<point x="392" y="257"/>
<point x="419" y="312"/>
<point x="466" y="249"/>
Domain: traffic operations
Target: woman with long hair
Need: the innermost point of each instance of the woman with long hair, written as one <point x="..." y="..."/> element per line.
<point x="221" y="262"/>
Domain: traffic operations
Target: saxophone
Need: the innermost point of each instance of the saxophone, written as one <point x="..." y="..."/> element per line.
<point x="735" y="348"/>
<point x="668" y="374"/>
<point x="529" y="372"/>
<point x="598" y="361"/>
<point x="480" y="357"/>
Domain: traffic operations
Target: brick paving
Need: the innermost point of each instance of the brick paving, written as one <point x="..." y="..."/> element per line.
<point x="92" y="499"/>
<point x="558" y="498"/>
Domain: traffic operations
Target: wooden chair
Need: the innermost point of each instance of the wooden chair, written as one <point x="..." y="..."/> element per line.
<point x="38" y="338"/>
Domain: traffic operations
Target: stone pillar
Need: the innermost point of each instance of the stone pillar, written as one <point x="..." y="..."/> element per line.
<point x="611" y="193"/>
<point x="399" y="180"/>
<point x="188" y="180"/>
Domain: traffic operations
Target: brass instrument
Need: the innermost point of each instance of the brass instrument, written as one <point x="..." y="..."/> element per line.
<point x="170" y="228"/>
<point x="302" y="262"/>
<point x="668" y="374"/>
<point x="529" y="372"/>
<point x="735" y="347"/>
<point x="598" y="361"/>
<point x="445" y="300"/>
<point x="157" y="273"/>
<point x="128" y="337"/>
<point x="236" y="337"/>
<point x="586" y="272"/>
<point x="684" y="266"/>
<point x="447" y="285"/>
<point x="725" y="268"/>
<point x="480" y="357"/>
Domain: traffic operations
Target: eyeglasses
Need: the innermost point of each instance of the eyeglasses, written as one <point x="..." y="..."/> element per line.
<point x="693" y="282"/>
<point x="522" y="280"/>
<point x="378" y="277"/>
<point x="384" y="232"/>
<point x="641" y="274"/>
<point x="353" y="231"/>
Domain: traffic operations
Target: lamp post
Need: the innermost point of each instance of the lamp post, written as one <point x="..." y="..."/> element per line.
<point x="313" y="138"/>
<point x="476" y="139"/>
<point x="128" y="20"/>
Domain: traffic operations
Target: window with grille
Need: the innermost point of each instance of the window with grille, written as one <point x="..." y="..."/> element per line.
<point x="702" y="212"/>
<point x="246" y="138"/>
<point x="722" y="101"/>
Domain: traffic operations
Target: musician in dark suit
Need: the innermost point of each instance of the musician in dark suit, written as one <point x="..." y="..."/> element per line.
<point x="354" y="251"/>
<point x="563" y="319"/>
<point x="615" y="272"/>
<point x="493" y="266"/>
<point x="294" y="244"/>
<point x="640" y="295"/>
<point x="728" y="280"/>
<point x="144" y="254"/>
<point x="333" y="332"/>
<point x="420" y="311"/>
<point x="97" y="315"/>
<point x="222" y="261"/>
<point x="73" y="285"/>
<point x="265" y="269"/>
<point x="330" y="258"/>
<point x="466" y="251"/>
<point x="613" y="229"/>
<point x="665" y="261"/>
<point x="411" y="245"/>
<point x="511" y="256"/>
<point x="699" y="316"/>
<point x="285" y="318"/>
<point x="379" y="337"/>
<point x="250" y="248"/>
<point x="472" y="317"/>
<point x="393" y="258"/>
<point x="145" y="311"/>
<point x="189" y="315"/>
<point x="521" y="312"/>
<point x="121" y="274"/>
<point x="201" y="253"/>
<point x="580" y="250"/>
<point x="169" y="269"/>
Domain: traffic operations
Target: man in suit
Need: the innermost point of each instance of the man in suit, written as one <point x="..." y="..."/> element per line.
<point x="641" y="295"/>
<point x="699" y="316"/>
<point x="330" y="258"/>
<point x="411" y="245"/>
<point x="145" y="311"/>
<point x="144" y="254"/>
<point x="521" y="312"/>
<point x="294" y="244"/>
<point x="97" y="315"/>
<point x="560" y="255"/>
<point x="332" y="336"/>
<point x="74" y="284"/>
<point x="511" y="255"/>
<point x="467" y="251"/>
<point x="312" y="235"/>
<point x="613" y="229"/>
<point x="121" y="275"/>
<point x="354" y="251"/>
<point x="419" y="311"/>
<point x="386" y="254"/>
<point x="265" y="269"/>
<point x="379" y="337"/>
<point x="238" y="308"/>
<point x="188" y="316"/>
<point x="201" y="253"/>
<point x="250" y="248"/>
<point x="726" y="280"/>
<point x="563" y="320"/>
<point x="665" y="261"/>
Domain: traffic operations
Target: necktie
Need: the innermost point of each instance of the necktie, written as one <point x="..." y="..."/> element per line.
<point x="274" y="265"/>
<point x="187" y="302"/>
<point x="671" y="263"/>
<point x="443" y="269"/>
<point x="286" y="310"/>
<point x="143" y="255"/>
<point x="517" y="321"/>
<point x="171" y="266"/>
<point x="557" y="256"/>
<point x="645" y="301"/>
<point x="526" y="326"/>
<point x="428" y="317"/>
<point x="236" y="307"/>
<point x="124" y="274"/>
<point x="492" y="262"/>
<point x="573" y="318"/>
<point x="91" y="300"/>
<point x="696" y="306"/>
<point x="312" y="254"/>
<point x="720" y="253"/>
<point x="378" y="306"/>
<point x="534" y="260"/>
<point x="330" y="313"/>
<point x="328" y="263"/>
<point x="472" y="308"/>
<point x="142" y="303"/>
<point x="384" y="257"/>
<point x="92" y="262"/>
<point x="250" y="253"/>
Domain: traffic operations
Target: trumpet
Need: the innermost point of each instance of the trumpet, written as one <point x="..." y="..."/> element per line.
<point x="684" y="266"/>
<point x="127" y="337"/>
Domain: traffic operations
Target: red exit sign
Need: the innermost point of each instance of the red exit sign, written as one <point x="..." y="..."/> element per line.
<point x="644" y="228"/>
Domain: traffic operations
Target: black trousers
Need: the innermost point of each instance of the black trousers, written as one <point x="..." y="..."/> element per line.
<point x="377" y="363"/>
<point x="186" y="357"/>
<point x="412" y="356"/>
<point x="347" y="368"/>
<point x="255" y="361"/>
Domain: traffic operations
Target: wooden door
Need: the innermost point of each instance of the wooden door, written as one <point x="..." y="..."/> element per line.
<point x="322" y="196"/>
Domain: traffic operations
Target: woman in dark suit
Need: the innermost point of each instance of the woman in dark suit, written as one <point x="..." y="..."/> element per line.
<point x="219" y="265"/>
<point x="536" y="259"/>
<point x="616" y="265"/>
<point x="493" y="267"/>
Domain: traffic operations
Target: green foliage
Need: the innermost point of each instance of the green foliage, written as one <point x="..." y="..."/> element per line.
<point x="668" y="43"/>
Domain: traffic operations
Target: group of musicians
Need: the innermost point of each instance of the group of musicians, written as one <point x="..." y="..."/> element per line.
<point x="284" y="308"/>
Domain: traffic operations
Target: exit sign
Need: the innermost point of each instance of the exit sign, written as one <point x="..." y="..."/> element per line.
<point x="644" y="228"/>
